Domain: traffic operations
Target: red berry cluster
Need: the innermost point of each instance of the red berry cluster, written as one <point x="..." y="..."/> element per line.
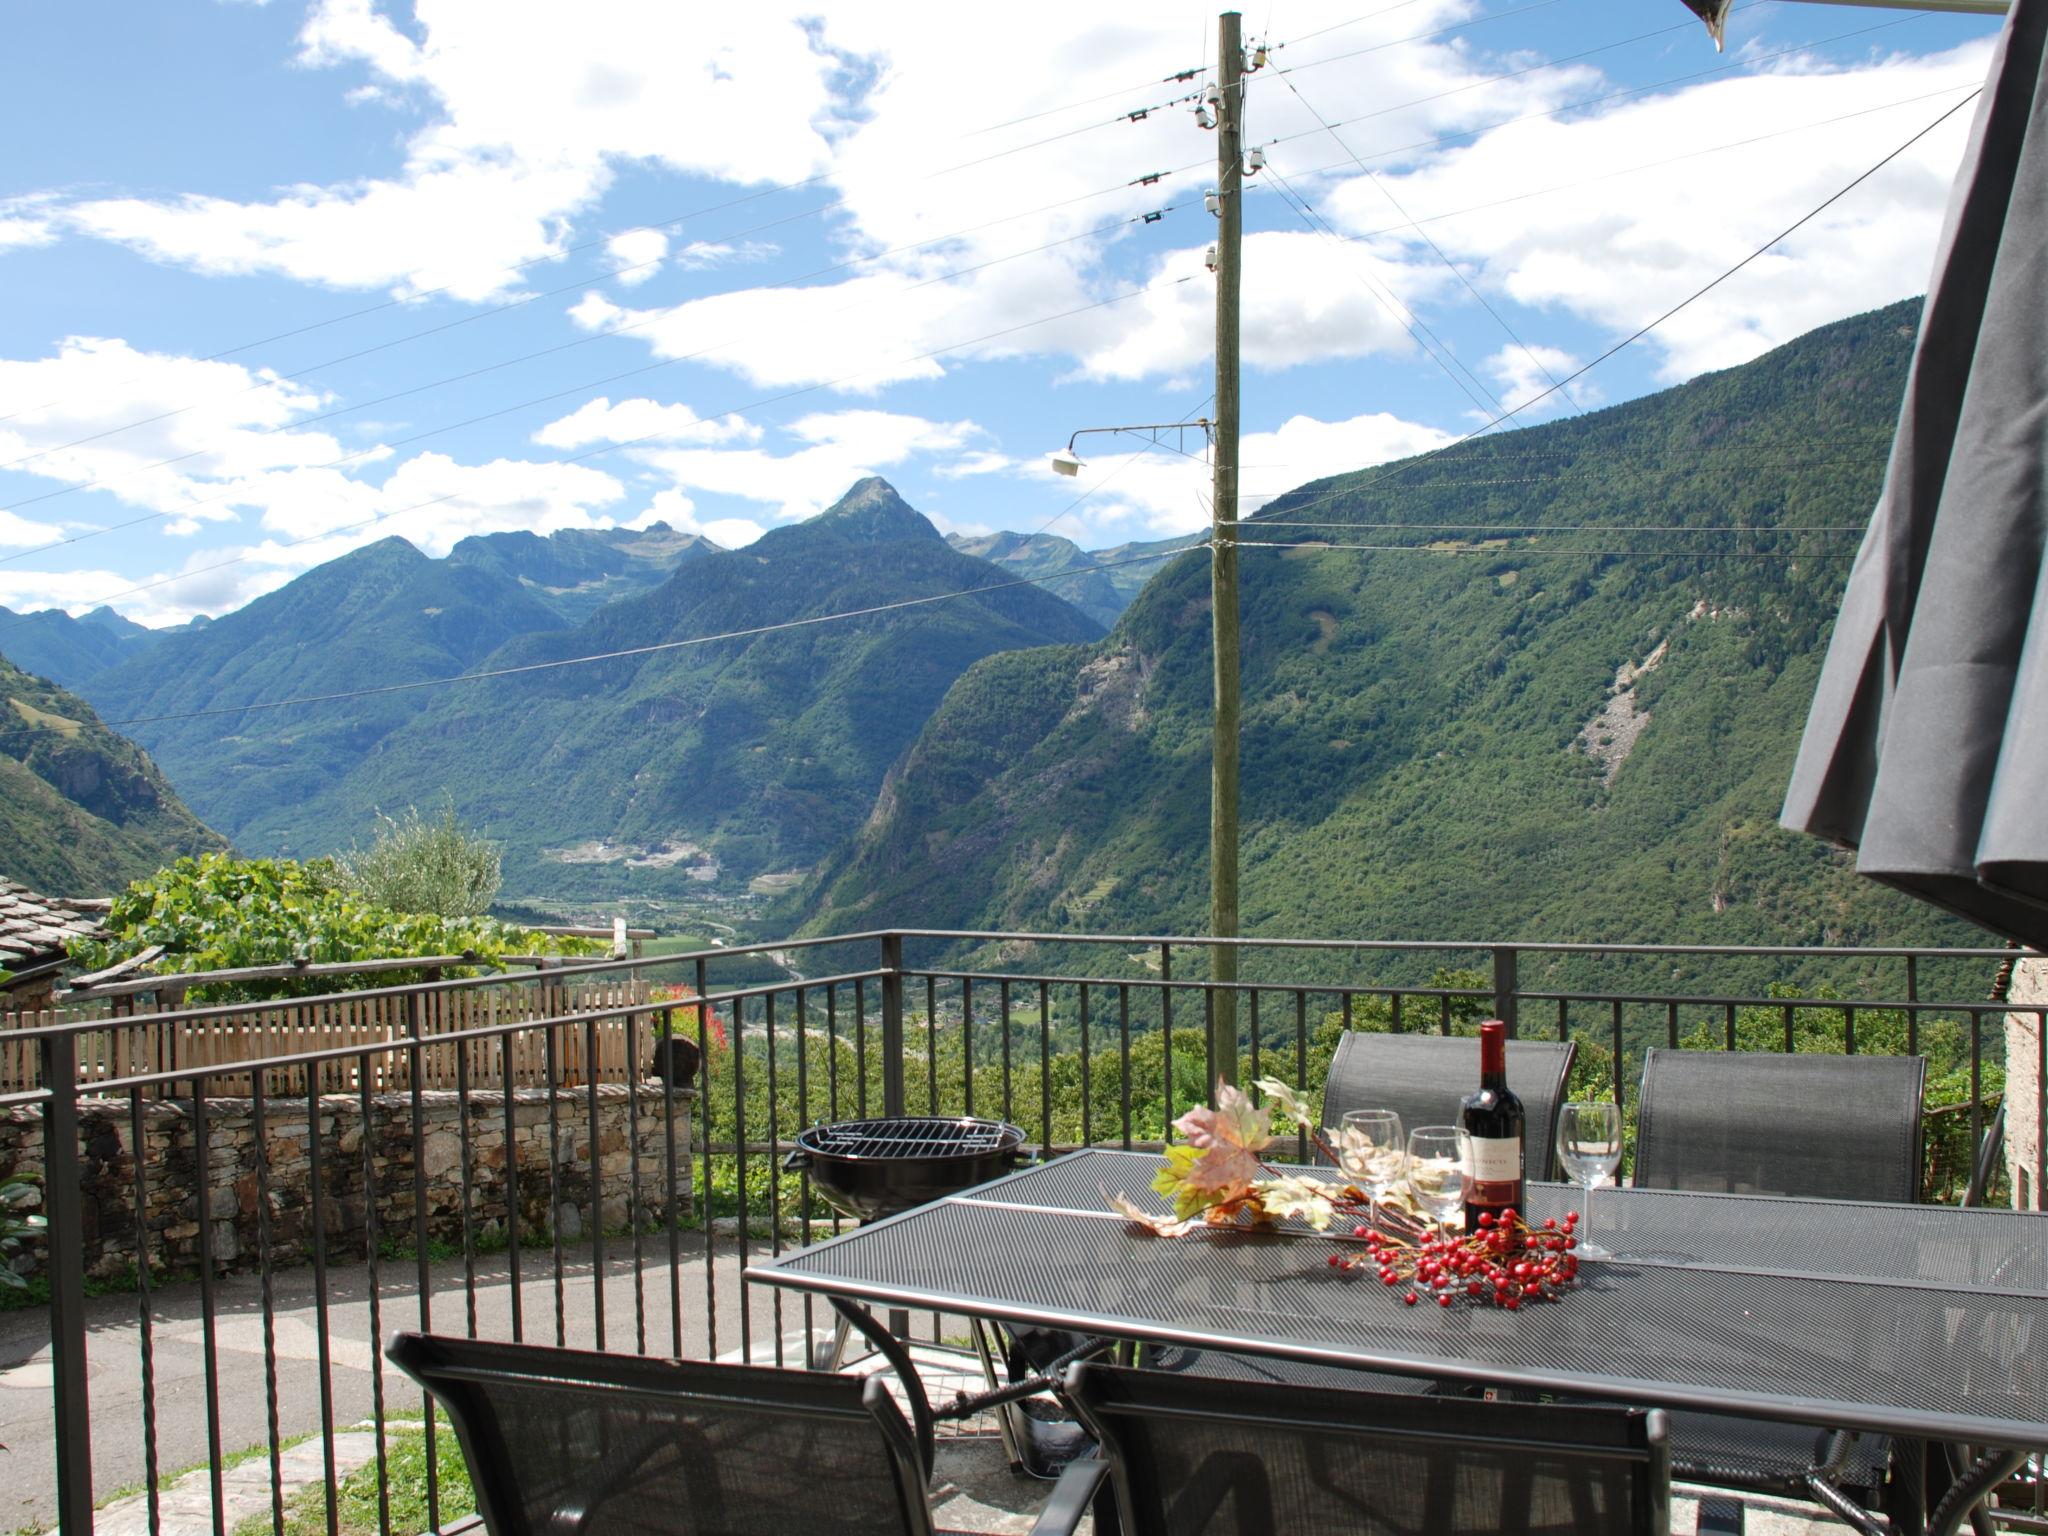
<point x="1506" y="1262"/>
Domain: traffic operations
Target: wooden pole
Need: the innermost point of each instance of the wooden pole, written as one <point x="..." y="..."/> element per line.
<point x="1223" y="543"/>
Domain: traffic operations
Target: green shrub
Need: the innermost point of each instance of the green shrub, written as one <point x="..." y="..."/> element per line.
<point x="417" y="865"/>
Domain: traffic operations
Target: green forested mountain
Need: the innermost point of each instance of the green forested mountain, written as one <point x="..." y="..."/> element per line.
<point x="1103" y="593"/>
<point x="381" y="614"/>
<point x="51" y="643"/>
<point x="82" y="810"/>
<point x="576" y="571"/>
<point x="1569" y="716"/>
<point x="713" y="763"/>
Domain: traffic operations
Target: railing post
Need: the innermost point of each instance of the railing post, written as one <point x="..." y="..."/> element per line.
<point x="71" y="1409"/>
<point x="892" y="1024"/>
<point x="1506" y="987"/>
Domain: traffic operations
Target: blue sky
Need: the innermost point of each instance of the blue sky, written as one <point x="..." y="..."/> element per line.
<point x="710" y="268"/>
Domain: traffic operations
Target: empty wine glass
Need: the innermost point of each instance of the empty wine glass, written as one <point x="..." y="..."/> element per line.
<point x="1369" y="1148"/>
<point x="1436" y="1171"/>
<point x="1589" y="1146"/>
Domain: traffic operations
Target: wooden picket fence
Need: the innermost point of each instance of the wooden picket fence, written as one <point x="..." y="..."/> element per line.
<point x="132" y="1045"/>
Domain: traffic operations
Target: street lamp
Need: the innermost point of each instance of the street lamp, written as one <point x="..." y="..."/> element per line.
<point x="1068" y="462"/>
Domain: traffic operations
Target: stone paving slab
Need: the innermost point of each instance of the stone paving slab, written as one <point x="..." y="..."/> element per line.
<point x="185" y="1507"/>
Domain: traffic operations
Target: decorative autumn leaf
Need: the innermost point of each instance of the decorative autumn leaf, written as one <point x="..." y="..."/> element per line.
<point x="1161" y="1226"/>
<point x="1235" y="1121"/>
<point x="1289" y="1102"/>
<point x="1303" y="1198"/>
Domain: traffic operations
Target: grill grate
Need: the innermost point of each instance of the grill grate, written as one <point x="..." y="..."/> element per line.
<point x="909" y="1137"/>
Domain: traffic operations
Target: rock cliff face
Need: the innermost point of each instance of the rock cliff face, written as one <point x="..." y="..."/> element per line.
<point x="82" y="810"/>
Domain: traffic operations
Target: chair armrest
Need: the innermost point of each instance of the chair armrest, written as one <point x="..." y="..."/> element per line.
<point x="1072" y="1496"/>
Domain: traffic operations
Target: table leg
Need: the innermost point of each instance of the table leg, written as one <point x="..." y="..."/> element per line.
<point x="1972" y="1488"/>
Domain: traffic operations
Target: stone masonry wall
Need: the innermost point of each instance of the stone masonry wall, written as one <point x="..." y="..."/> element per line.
<point x="2022" y="1083"/>
<point x="350" y="1162"/>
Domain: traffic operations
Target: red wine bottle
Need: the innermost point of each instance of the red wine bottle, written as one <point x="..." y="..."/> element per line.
<point x="1491" y="1121"/>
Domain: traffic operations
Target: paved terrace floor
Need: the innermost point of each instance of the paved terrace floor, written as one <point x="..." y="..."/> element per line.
<point x="978" y="1490"/>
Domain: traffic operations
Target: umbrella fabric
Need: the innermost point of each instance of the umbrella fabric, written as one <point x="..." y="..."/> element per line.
<point x="1927" y="746"/>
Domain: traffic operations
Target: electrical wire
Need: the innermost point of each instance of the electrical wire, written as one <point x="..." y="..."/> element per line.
<point x="1456" y="270"/>
<point x="649" y="650"/>
<point x="379" y="449"/>
<point x="657" y="226"/>
<point x="1414" y="324"/>
<point x="1657" y="165"/>
<point x="1601" y="554"/>
<point x="641" y="441"/>
<point x="1645" y="330"/>
<point x="740" y="234"/>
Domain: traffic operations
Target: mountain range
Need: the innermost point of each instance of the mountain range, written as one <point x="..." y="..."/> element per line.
<point x="1544" y="685"/>
<point x="677" y="765"/>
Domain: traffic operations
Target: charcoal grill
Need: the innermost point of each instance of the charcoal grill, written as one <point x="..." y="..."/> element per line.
<point x="873" y="1168"/>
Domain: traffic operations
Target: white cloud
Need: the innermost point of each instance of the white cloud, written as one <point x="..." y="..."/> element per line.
<point x="638" y="253"/>
<point x="536" y="106"/>
<point x="1526" y="372"/>
<point x="600" y="421"/>
<point x="222" y="427"/>
<point x="26" y="222"/>
<point x="1618" y="251"/>
<point x="979" y="462"/>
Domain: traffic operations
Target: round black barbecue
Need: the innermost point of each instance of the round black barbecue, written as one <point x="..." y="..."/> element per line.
<point x="871" y="1168"/>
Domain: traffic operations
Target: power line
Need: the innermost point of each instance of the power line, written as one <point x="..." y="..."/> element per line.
<point x="1414" y="324"/>
<point x="1536" y="528"/>
<point x="657" y="226"/>
<point x="1602" y="554"/>
<point x="648" y="650"/>
<point x="1456" y="271"/>
<point x="1654" y="165"/>
<point x="644" y="438"/>
<point x="589" y="384"/>
<point x="1645" y="330"/>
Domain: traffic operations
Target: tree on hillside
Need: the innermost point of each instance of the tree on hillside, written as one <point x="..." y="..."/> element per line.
<point x="417" y="865"/>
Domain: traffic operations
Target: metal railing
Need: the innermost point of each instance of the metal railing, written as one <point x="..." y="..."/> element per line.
<point x="640" y="1234"/>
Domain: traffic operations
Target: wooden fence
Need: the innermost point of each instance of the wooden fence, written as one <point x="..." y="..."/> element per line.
<point x="133" y="1045"/>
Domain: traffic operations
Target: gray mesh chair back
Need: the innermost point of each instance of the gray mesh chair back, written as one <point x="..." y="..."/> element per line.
<point x="1748" y="1122"/>
<point x="1422" y="1078"/>
<point x="1191" y="1456"/>
<point x="566" y="1442"/>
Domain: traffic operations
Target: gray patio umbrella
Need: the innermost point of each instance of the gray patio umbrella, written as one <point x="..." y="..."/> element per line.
<point x="1927" y="746"/>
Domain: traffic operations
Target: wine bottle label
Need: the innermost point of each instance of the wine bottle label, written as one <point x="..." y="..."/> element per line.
<point x="1494" y="1167"/>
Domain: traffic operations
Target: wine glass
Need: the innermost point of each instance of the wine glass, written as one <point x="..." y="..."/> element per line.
<point x="1436" y="1171"/>
<point x="1589" y="1146"/>
<point x="1369" y="1148"/>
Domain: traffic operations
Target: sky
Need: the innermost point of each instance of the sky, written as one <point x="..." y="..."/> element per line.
<point x="281" y="279"/>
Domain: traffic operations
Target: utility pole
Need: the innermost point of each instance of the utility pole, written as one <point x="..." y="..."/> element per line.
<point x="1223" y="544"/>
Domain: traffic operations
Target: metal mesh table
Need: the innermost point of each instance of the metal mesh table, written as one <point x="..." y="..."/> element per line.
<point x="1918" y="1321"/>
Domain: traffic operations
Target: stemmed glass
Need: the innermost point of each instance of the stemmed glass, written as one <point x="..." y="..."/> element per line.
<point x="1436" y="1171"/>
<point x="1369" y="1148"/>
<point x="1589" y="1146"/>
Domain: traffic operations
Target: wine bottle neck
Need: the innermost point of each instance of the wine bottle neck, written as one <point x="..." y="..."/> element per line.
<point x="1493" y="1054"/>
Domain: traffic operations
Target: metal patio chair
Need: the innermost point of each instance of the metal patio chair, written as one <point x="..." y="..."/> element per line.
<point x="1422" y="1078"/>
<point x="1812" y="1126"/>
<point x="1205" y="1457"/>
<point x="566" y="1442"/>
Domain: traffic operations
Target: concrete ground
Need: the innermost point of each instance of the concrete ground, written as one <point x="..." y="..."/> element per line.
<point x="974" y="1488"/>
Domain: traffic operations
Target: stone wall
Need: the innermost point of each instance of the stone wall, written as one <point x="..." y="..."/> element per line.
<point x="2022" y="1083"/>
<point x="351" y="1162"/>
